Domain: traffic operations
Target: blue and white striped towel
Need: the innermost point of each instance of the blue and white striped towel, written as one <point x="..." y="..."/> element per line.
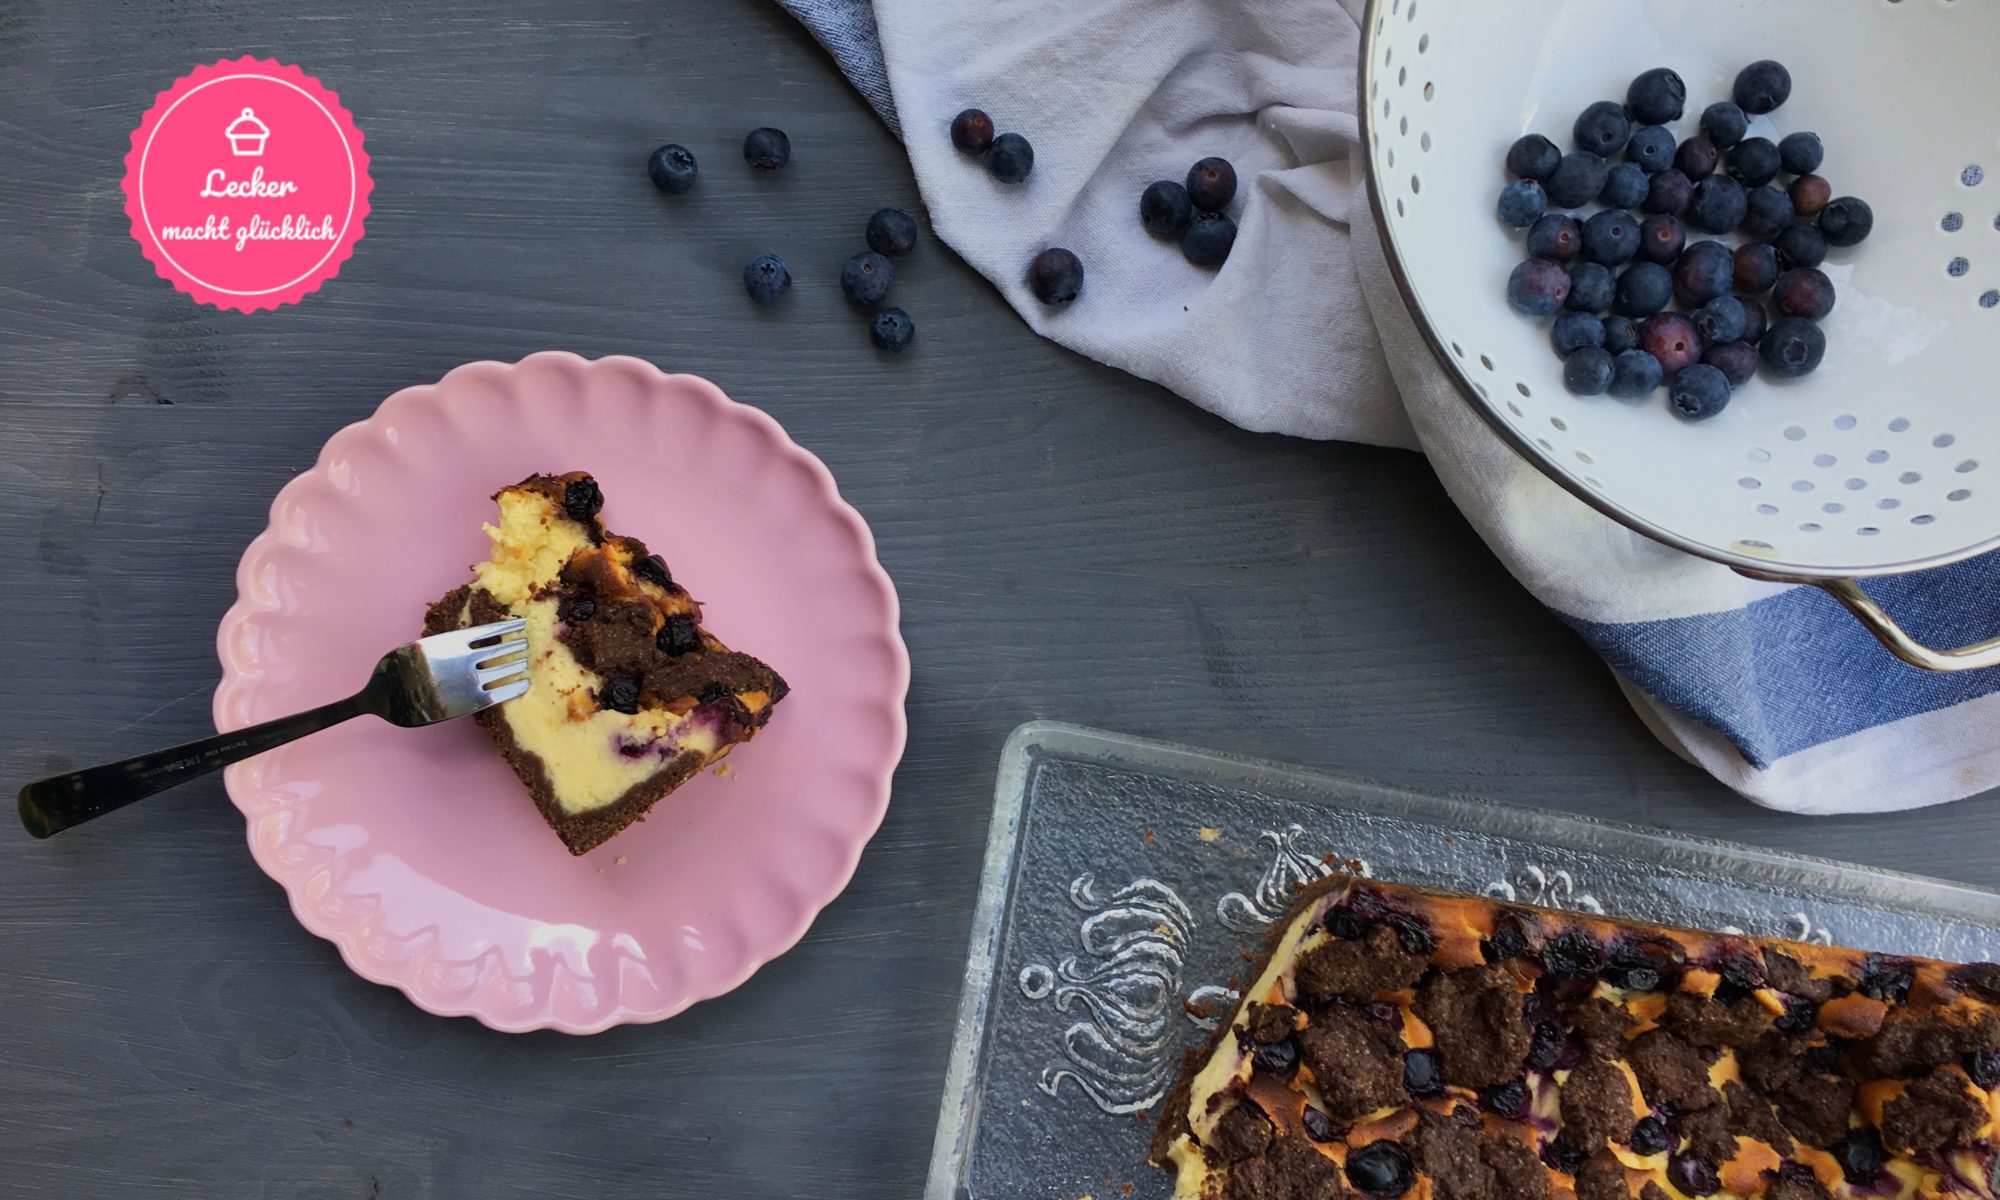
<point x="1775" y="690"/>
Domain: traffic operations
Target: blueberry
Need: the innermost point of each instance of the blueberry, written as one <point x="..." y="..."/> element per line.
<point x="972" y="131"/>
<point x="1693" y="1176"/>
<point x="1657" y="96"/>
<point x="576" y="609"/>
<point x="1741" y="975"/>
<point x="1343" y="924"/>
<point x="1718" y="205"/>
<point x="1799" y="245"/>
<point x="866" y="278"/>
<point x="1704" y="271"/>
<point x="1208" y="239"/>
<point x="1577" y="179"/>
<point x="1697" y="157"/>
<point x="767" y="149"/>
<point x="1532" y="156"/>
<point x="1860" y="1155"/>
<point x="1721" y="320"/>
<point x="1010" y="158"/>
<point x="1319" y="1126"/>
<point x="1544" y="1046"/>
<point x="1575" y="330"/>
<point x="620" y="694"/>
<point x="1521" y="203"/>
<point x="1588" y="371"/>
<point x="1801" y="153"/>
<point x="1736" y="360"/>
<point x="1634" y="373"/>
<point x="1800" y="1014"/>
<point x="1603" y="128"/>
<point x="1562" y="1156"/>
<point x="1556" y="237"/>
<point x="672" y="169"/>
<point x="1573" y="953"/>
<point x="1761" y="87"/>
<point x="1211" y="184"/>
<point x="653" y="569"/>
<point x="892" y="330"/>
<point x="1804" y="292"/>
<point x="1753" y="162"/>
<point x="1625" y="187"/>
<point x="1508" y="1100"/>
<point x="1649" y="1136"/>
<point x="582" y="499"/>
<point x="1503" y="945"/>
<point x="1809" y="195"/>
<point x="1164" y="209"/>
<point x="678" y="635"/>
<point x="1650" y="148"/>
<point x="1984" y="1067"/>
<point x="1591" y="287"/>
<point x="1537" y="287"/>
<point x="1421" y="1074"/>
<point x="1055" y="276"/>
<point x="1699" y="392"/>
<point x="1661" y="238"/>
<point x="1724" y="124"/>
<point x="891" y="231"/>
<point x="1766" y="212"/>
<point x="1886" y="978"/>
<point x="1673" y="339"/>
<point x="1754" y="322"/>
<point x="1643" y="289"/>
<point x="1414" y="932"/>
<point x="1610" y="237"/>
<point x="1846" y="221"/>
<point x="1670" y="192"/>
<point x="766" y="277"/>
<point x="1792" y="346"/>
<point x="1381" y="1169"/>
<point x="1276" y="1058"/>
<point x="1620" y="334"/>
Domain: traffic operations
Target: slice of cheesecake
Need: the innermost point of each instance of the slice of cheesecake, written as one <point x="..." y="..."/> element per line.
<point x="630" y="696"/>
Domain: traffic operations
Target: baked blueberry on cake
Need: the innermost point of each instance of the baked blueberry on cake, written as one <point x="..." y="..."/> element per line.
<point x="630" y="696"/>
<point x="1400" y="1042"/>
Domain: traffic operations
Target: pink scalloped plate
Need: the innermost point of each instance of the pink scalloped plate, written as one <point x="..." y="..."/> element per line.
<point x="417" y="852"/>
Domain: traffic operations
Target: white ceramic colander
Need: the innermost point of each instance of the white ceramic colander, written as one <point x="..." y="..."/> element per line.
<point x="1885" y="460"/>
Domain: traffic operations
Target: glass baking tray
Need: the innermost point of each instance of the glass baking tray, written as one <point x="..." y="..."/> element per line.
<point x="1127" y="880"/>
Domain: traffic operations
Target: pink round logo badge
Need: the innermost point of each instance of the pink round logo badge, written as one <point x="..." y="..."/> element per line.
<point x="247" y="185"/>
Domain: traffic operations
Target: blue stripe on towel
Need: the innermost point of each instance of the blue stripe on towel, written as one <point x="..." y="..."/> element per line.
<point x="847" y="29"/>
<point x="1794" y="670"/>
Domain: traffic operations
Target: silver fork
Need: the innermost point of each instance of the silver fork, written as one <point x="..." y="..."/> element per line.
<point x="433" y="679"/>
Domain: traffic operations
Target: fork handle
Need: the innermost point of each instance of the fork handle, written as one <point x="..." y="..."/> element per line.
<point x="63" y="801"/>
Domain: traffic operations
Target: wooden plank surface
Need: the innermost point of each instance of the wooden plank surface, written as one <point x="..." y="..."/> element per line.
<point x="1068" y="541"/>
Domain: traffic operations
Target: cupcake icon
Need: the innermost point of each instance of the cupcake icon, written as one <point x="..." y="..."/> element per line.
<point x="247" y="135"/>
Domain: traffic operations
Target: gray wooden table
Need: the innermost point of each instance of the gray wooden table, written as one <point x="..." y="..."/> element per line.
<point x="1069" y="542"/>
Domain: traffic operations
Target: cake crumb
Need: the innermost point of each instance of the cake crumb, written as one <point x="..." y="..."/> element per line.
<point x="1124" y="1189"/>
<point x="1149" y="837"/>
<point x="725" y="770"/>
<point x="620" y="860"/>
<point x="1208" y="833"/>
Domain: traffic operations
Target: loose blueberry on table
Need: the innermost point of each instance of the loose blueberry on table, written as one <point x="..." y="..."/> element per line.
<point x="672" y="168"/>
<point x="891" y="232"/>
<point x="766" y="278"/>
<point x="892" y="330"/>
<point x="767" y="149"/>
<point x="866" y="278"/>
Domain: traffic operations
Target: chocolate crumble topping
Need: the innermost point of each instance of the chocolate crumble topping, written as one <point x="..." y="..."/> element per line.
<point x="1475" y="1015"/>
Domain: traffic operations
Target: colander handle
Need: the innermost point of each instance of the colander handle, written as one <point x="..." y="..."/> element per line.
<point x="1901" y="644"/>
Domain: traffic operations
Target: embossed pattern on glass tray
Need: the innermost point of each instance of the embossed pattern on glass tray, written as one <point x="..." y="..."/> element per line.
<point x="1125" y="881"/>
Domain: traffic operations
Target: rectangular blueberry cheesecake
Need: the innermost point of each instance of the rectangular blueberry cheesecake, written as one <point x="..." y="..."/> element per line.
<point x="1402" y="1042"/>
<point x="629" y="696"/>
